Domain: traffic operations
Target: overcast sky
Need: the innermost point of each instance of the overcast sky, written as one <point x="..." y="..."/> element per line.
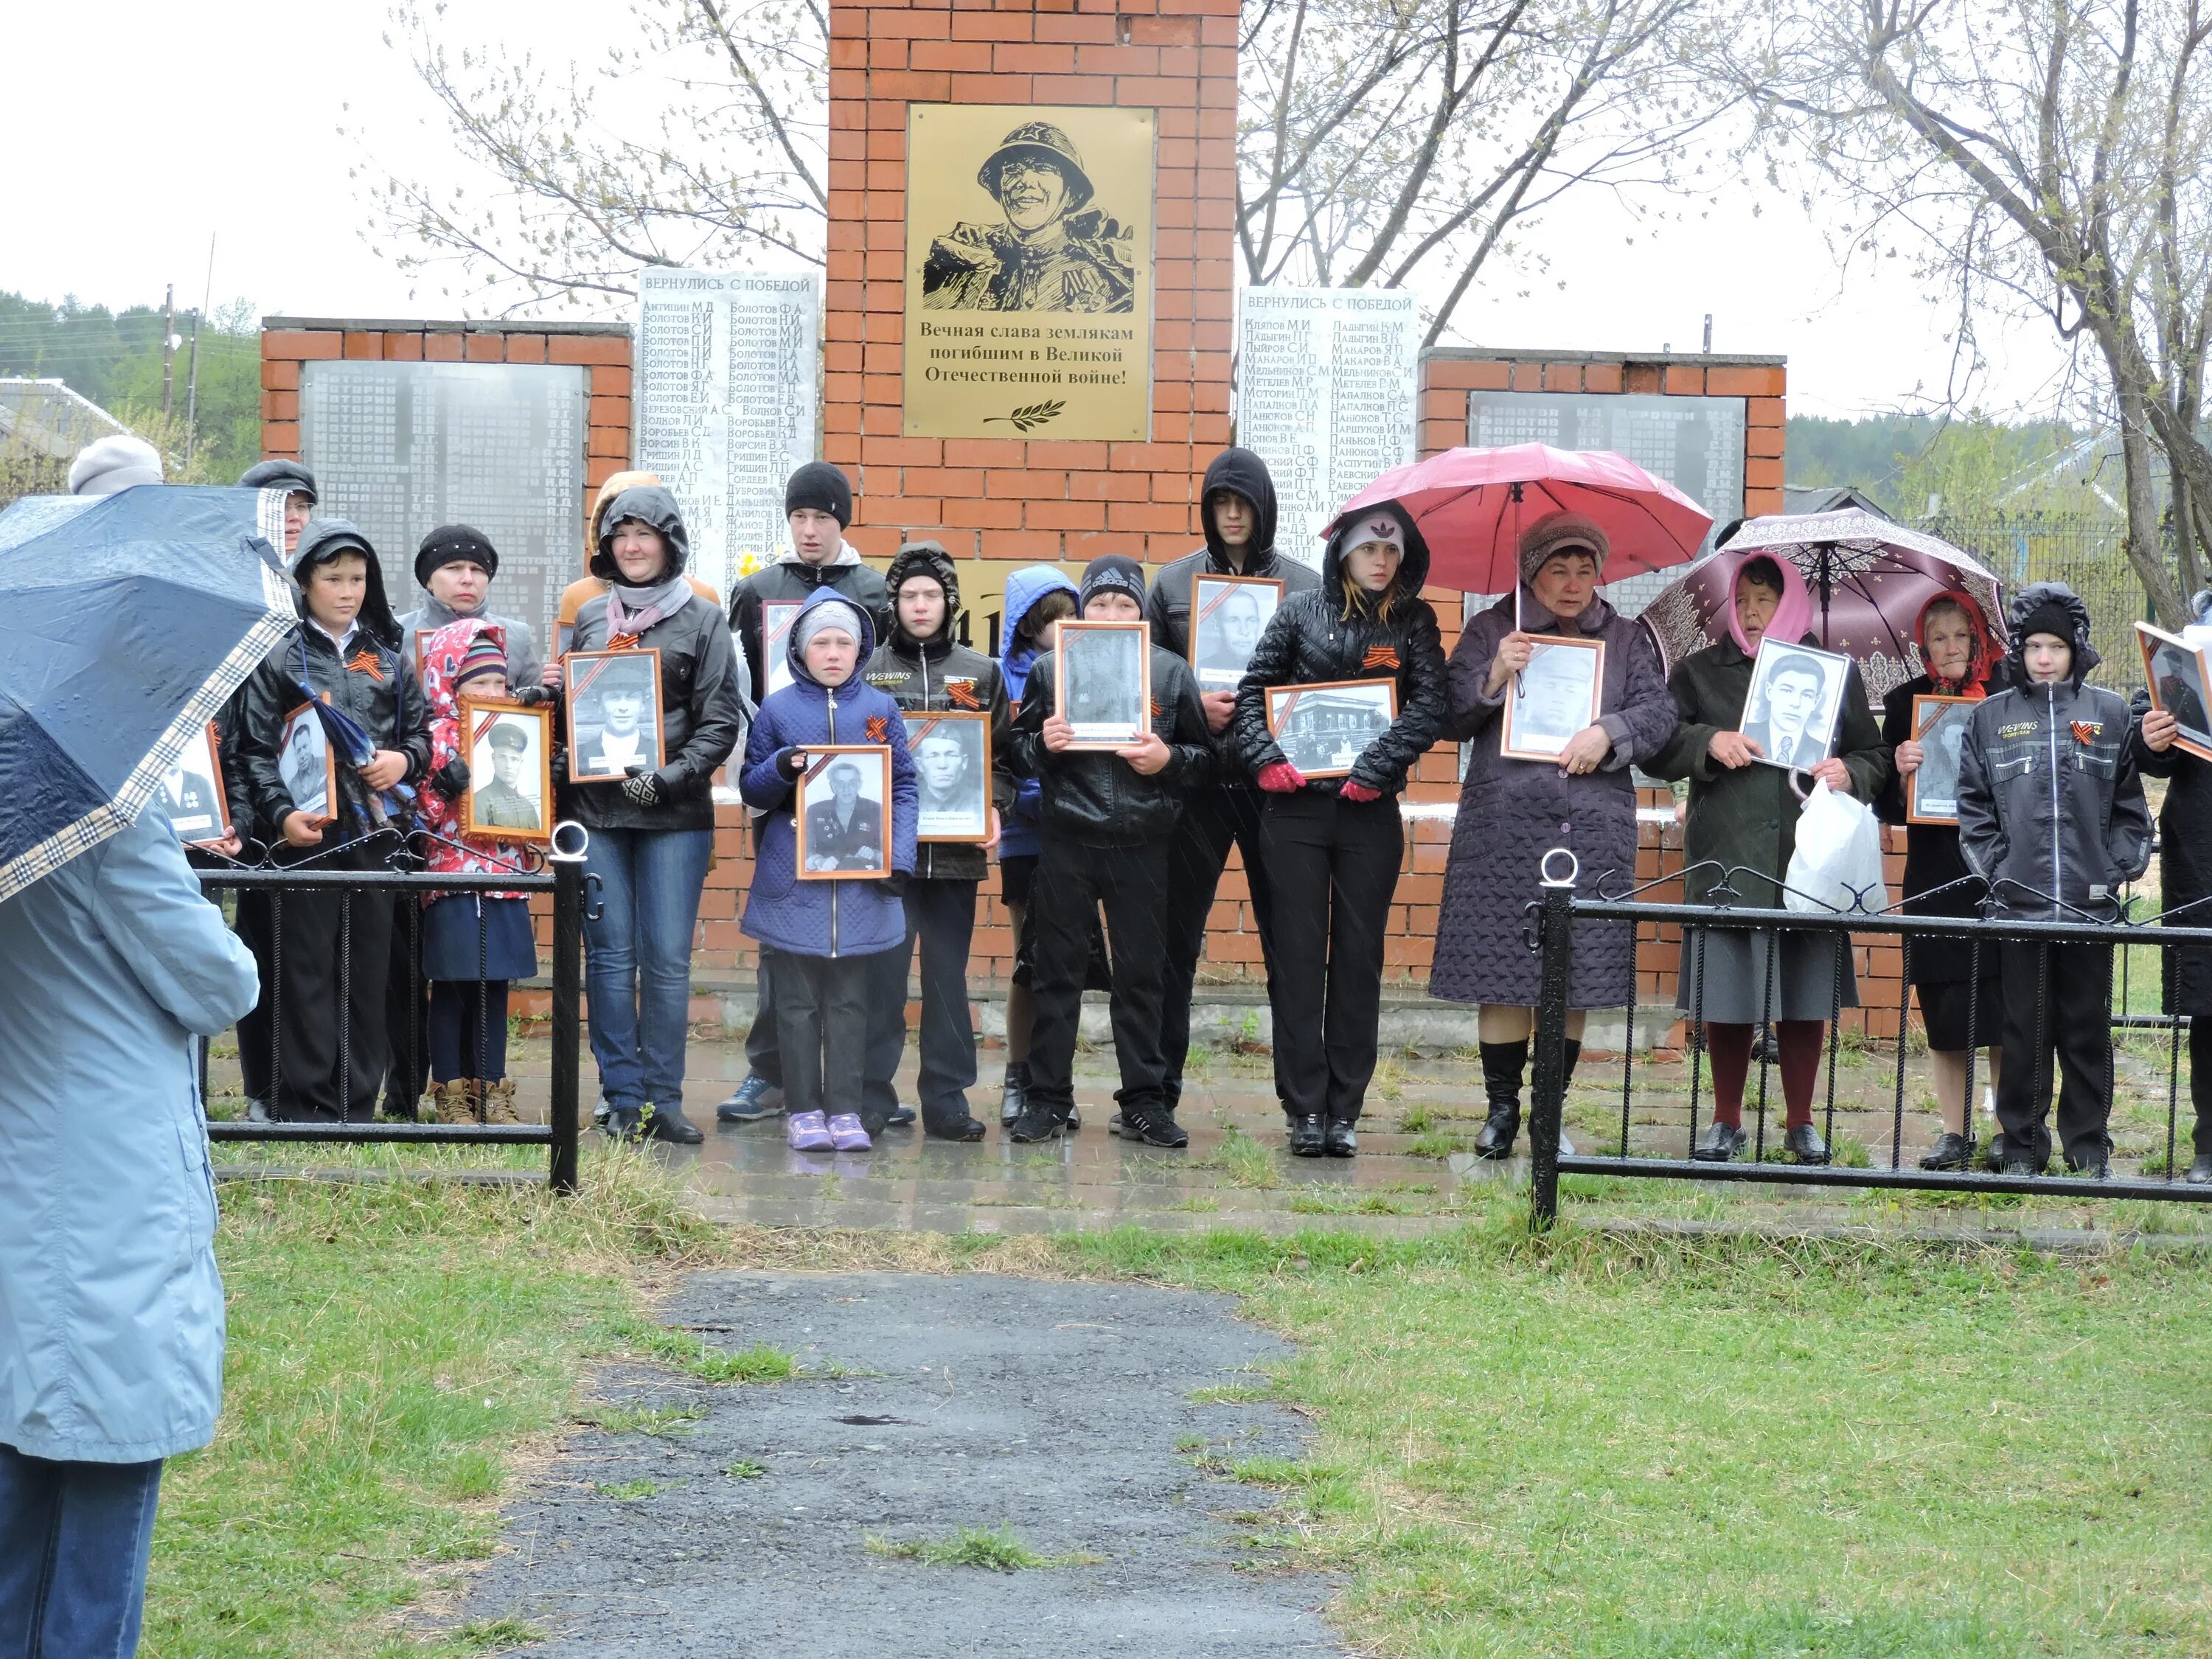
<point x="144" y="135"/>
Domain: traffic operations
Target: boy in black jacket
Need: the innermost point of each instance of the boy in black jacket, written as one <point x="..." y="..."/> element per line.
<point x="1109" y="822"/>
<point x="330" y="1050"/>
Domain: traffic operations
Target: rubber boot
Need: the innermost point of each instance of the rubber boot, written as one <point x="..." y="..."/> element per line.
<point x="499" y="1101"/>
<point x="1016" y="1092"/>
<point x="1503" y="1063"/>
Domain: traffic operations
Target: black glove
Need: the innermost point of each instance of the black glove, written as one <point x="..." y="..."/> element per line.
<point x="557" y="763"/>
<point x="895" y="883"/>
<point x="530" y="695"/>
<point x="789" y="763"/>
<point x="452" y="780"/>
<point x="642" y="787"/>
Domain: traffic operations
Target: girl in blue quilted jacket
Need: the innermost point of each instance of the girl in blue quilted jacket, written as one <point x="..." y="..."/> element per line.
<point x="824" y="927"/>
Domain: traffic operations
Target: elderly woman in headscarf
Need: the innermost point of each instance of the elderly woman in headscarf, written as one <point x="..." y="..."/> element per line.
<point x="1961" y="660"/>
<point x="1511" y="812"/>
<point x="1743" y="819"/>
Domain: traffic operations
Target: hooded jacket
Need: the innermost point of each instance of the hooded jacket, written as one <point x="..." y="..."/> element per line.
<point x="574" y="596"/>
<point x="823" y="918"/>
<point x="791" y="578"/>
<point x="702" y="715"/>
<point x="1321" y="636"/>
<point x="941" y="674"/>
<point x="526" y="665"/>
<point x="2051" y="811"/>
<point x="1018" y="835"/>
<point x="454" y="851"/>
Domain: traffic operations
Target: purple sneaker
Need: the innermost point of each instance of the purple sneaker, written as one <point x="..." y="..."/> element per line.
<point x="806" y="1133"/>
<point x="847" y="1135"/>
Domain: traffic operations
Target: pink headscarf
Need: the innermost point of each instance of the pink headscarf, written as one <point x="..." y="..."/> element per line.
<point x="1793" y="617"/>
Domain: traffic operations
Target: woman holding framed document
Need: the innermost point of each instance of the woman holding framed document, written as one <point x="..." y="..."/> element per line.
<point x="1556" y="693"/>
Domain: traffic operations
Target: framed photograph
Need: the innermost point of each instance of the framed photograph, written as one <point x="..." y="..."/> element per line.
<point x="840" y="808"/>
<point x="510" y="755"/>
<point x="1228" y="614"/>
<point x="422" y="650"/>
<point x="1939" y="726"/>
<point x="2180" y="685"/>
<point x="199" y="811"/>
<point x="308" y="766"/>
<point x="1796" y="697"/>
<point x="776" y="618"/>
<point x="1103" y="681"/>
<point x="1555" y="697"/>
<point x="613" y="705"/>
<point x="952" y="771"/>
<point x="1323" y="729"/>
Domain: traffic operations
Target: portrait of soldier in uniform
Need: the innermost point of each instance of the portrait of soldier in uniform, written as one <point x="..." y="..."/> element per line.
<point x="1052" y="252"/>
<point x="845" y="832"/>
<point x="502" y="804"/>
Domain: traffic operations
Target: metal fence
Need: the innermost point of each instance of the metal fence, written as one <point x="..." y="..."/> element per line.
<point x="1560" y="908"/>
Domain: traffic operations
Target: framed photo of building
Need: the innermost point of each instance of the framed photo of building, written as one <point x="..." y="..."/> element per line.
<point x="841" y="810"/>
<point x="510" y="757"/>
<point x="1796" y="697"/>
<point x="1939" y="726"/>
<point x="1103" y="681"/>
<point x="308" y="767"/>
<point x="1324" y="728"/>
<point x="192" y="792"/>
<point x="2180" y="685"/>
<point x="1228" y="614"/>
<point x="952" y="773"/>
<point x="1555" y="697"/>
<point x="776" y="617"/>
<point x="612" y="701"/>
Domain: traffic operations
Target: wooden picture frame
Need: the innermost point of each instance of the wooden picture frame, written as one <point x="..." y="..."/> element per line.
<point x="584" y="674"/>
<point x="2195" y="737"/>
<point x="1923" y="804"/>
<point x="777" y="616"/>
<point x="485" y="811"/>
<point x="200" y="764"/>
<point x="824" y="850"/>
<point x="1112" y="715"/>
<point x="972" y="731"/>
<point x="331" y="799"/>
<point x="1339" y="711"/>
<point x="421" y="651"/>
<point x="1775" y="662"/>
<point x="1546" y="706"/>
<point x="1209" y="594"/>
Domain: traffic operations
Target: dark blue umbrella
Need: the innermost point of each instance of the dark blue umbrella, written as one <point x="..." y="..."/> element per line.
<point x="126" y="621"/>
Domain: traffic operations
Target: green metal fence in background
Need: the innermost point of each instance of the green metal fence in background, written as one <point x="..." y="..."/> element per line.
<point x="2088" y="554"/>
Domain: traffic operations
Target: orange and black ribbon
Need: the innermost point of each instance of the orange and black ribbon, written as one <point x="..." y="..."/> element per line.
<point x="961" y="693"/>
<point x="1381" y="656"/>
<point x="622" y="642"/>
<point x="367" y="662"/>
<point x="879" y="729"/>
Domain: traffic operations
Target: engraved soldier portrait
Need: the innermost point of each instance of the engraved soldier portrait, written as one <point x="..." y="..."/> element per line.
<point x="1054" y="251"/>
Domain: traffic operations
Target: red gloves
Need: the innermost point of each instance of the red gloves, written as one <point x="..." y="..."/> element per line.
<point x="1359" y="791"/>
<point x="1281" y="778"/>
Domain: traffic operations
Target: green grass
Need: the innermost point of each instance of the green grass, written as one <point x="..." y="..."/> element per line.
<point x="627" y="1490"/>
<point x="996" y="1549"/>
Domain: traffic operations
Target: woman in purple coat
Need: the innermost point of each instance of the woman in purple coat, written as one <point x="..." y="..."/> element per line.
<point x="1511" y="812"/>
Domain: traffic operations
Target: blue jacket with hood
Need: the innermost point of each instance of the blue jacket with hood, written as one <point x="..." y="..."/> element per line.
<point x="824" y="918"/>
<point x="1020" y="835"/>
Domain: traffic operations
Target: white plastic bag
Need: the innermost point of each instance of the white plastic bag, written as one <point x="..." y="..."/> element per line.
<point x="1838" y="863"/>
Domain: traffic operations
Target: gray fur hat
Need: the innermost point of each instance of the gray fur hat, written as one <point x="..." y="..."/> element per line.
<point x="116" y="462"/>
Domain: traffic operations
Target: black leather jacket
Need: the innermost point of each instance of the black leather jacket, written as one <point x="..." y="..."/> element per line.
<point x="1097" y="798"/>
<point x="1319" y="636"/>
<point x="365" y="683"/>
<point x="794" y="580"/>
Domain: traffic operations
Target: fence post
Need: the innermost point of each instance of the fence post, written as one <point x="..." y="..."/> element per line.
<point x="568" y="997"/>
<point x="1555" y="941"/>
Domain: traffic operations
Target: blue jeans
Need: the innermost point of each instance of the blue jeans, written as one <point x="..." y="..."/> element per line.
<point x="74" y="1542"/>
<point x="637" y="959"/>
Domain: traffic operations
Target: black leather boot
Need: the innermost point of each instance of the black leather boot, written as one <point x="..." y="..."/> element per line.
<point x="1503" y="1064"/>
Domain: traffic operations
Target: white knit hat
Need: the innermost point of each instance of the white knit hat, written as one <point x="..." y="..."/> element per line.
<point x="116" y="462"/>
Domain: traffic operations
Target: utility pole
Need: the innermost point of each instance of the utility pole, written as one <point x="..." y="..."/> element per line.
<point x="168" y="344"/>
<point x="193" y="376"/>
<point x="1709" y="334"/>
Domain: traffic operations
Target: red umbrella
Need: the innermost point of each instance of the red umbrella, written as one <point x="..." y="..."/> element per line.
<point x="1471" y="505"/>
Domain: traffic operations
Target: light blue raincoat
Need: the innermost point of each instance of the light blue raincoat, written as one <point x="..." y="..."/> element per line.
<point x="110" y="1309"/>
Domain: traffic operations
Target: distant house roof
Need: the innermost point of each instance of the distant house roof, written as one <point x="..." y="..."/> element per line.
<point x="47" y="418"/>
<point x="1829" y="498"/>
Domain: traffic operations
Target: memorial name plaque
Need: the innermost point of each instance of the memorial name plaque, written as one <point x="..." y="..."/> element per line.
<point x="1029" y="272"/>
<point x="402" y="448"/>
<point x="1325" y="395"/>
<point x="727" y="403"/>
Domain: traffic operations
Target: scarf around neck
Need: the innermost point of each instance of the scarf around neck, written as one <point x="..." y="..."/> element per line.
<point x="633" y="610"/>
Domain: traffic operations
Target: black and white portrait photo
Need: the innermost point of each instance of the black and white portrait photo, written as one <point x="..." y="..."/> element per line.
<point x="305" y="764"/>
<point x="1555" y="697"/>
<point x="952" y="771"/>
<point x="2174" y="670"/>
<point x="1052" y="248"/>
<point x="1796" y="697"/>
<point x="613" y="714"/>
<point x="1227" y="616"/>
<point x="1323" y="730"/>
<point x="1939" y="726"/>
<point x="192" y="794"/>
<point x="510" y="772"/>
<point x="776" y="617"/>
<point x="1103" y="686"/>
<point x="842" y="812"/>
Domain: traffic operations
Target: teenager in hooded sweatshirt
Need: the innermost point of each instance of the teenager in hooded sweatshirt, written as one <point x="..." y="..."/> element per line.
<point x="1238" y="508"/>
<point x="653" y="832"/>
<point x="817" y="507"/>
<point x="828" y="936"/>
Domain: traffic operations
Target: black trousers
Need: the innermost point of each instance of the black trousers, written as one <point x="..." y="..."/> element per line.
<point x="762" y="1057"/>
<point x="822" y="1032"/>
<point x="2058" y="999"/>
<point x="1213" y="821"/>
<point x="2200" y="1079"/>
<point x="257" y="931"/>
<point x="464" y="1032"/>
<point x="941" y="916"/>
<point x="331" y="954"/>
<point x="1073" y="882"/>
<point x="407" y="1013"/>
<point x="1334" y="867"/>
